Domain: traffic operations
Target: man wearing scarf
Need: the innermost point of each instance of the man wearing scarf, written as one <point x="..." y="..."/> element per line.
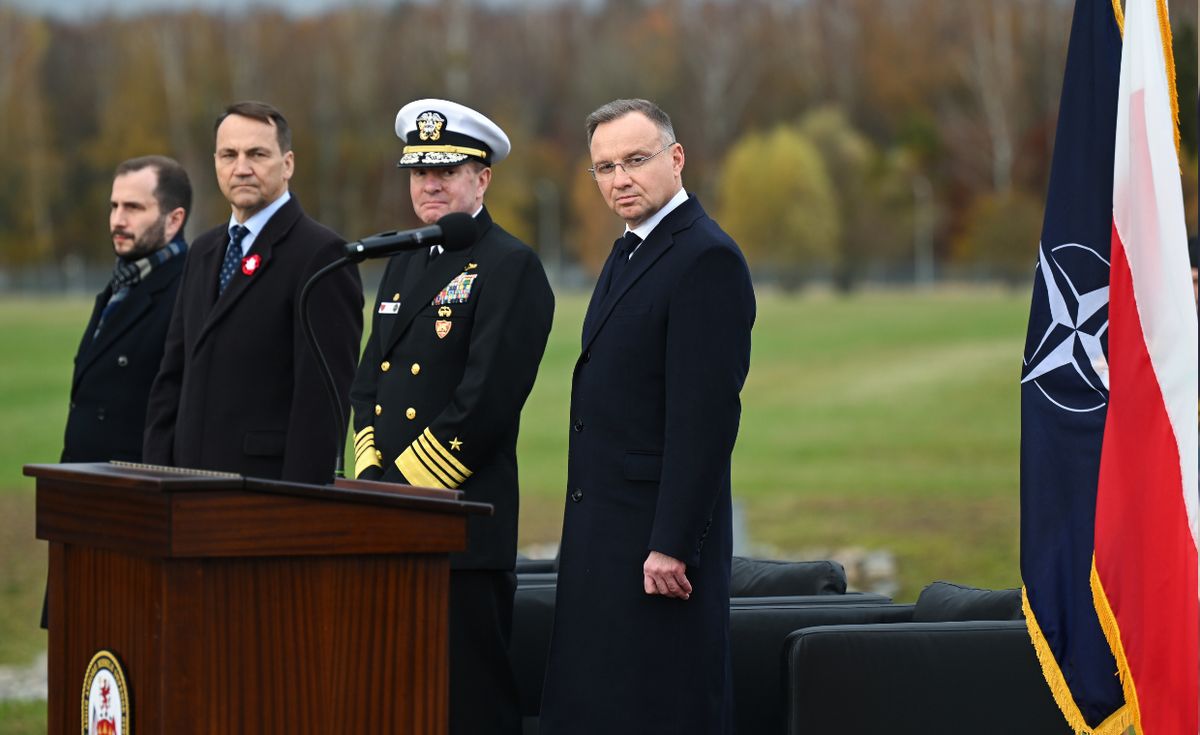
<point x="122" y="345"/>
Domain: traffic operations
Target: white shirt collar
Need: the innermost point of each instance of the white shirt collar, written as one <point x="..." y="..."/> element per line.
<point x="257" y="221"/>
<point x="644" y="229"/>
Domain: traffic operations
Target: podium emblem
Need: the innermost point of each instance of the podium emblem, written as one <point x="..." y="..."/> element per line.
<point x="105" y="697"/>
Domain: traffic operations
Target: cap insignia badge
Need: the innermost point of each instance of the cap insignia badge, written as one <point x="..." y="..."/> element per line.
<point x="430" y="124"/>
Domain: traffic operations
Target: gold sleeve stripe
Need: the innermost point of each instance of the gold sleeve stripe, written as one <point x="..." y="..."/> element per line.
<point x="449" y="459"/>
<point x="364" y="451"/>
<point x="436" y="460"/>
<point x="445" y="149"/>
<point x="415" y="472"/>
<point x="448" y="479"/>
<point x="365" y="460"/>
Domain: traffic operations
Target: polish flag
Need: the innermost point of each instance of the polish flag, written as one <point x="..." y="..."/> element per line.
<point x="1145" y="581"/>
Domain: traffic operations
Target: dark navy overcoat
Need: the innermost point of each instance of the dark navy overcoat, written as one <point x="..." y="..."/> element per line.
<point x="114" y="370"/>
<point x="654" y="416"/>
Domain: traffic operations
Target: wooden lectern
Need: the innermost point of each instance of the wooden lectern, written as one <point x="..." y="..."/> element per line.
<point x="238" y="605"/>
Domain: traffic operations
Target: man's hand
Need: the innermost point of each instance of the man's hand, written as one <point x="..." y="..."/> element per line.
<point x="663" y="575"/>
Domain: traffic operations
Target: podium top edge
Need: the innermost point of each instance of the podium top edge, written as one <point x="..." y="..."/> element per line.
<point x="176" y="479"/>
<point x="128" y="474"/>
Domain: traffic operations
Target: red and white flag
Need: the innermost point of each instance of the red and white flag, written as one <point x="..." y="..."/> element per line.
<point x="1145" y="579"/>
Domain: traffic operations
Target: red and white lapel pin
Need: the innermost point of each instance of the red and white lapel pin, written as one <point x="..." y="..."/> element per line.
<point x="250" y="264"/>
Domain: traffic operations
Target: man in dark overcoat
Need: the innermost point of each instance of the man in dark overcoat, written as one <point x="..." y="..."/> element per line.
<point x="456" y="339"/>
<point x="122" y="344"/>
<point x="239" y="388"/>
<point x="641" y="627"/>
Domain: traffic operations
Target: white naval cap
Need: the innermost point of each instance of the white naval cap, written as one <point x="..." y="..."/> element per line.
<point x="444" y="133"/>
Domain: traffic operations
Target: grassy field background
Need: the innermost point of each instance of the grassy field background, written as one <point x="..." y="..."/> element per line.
<point x="886" y="421"/>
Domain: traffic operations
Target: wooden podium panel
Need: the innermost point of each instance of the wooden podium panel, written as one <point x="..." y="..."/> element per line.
<point x="238" y="605"/>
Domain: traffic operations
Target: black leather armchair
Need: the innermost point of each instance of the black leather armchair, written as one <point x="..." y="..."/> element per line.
<point x="940" y="666"/>
<point x="758" y="631"/>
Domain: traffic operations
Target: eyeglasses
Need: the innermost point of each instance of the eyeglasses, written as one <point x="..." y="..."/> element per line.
<point x="608" y="169"/>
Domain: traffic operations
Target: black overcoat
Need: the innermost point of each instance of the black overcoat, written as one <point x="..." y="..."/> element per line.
<point x="654" y="416"/>
<point x="437" y="398"/>
<point x="113" y="372"/>
<point x="239" y="388"/>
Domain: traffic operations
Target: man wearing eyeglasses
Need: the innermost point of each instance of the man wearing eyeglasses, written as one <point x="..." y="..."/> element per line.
<point x="641" y="632"/>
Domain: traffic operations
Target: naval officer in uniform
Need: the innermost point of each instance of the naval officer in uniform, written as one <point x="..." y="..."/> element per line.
<point x="455" y="344"/>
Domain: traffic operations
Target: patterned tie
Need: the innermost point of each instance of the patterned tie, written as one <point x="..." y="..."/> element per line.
<point x="233" y="256"/>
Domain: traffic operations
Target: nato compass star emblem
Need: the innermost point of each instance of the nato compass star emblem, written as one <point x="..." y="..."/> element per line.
<point x="1067" y="363"/>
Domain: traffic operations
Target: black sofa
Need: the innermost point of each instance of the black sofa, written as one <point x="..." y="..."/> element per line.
<point x="959" y="660"/>
<point x="748" y="577"/>
<point x="762" y="591"/>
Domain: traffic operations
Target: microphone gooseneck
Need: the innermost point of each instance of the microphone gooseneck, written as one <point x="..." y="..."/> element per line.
<point x="455" y="231"/>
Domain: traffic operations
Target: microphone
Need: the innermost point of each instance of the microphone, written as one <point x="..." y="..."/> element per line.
<point x="455" y="231"/>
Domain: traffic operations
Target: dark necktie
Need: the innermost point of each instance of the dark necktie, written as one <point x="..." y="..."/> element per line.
<point x="624" y="247"/>
<point x="233" y="256"/>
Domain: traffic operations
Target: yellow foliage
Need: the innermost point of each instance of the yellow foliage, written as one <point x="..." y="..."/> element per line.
<point x="777" y="201"/>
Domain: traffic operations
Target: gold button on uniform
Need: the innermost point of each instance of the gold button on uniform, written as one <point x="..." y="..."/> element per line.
<point x="411" y="413"/>
<point x="415" y="368"/>
<point x="378" y="409"/>
<point x="385" y="366"/>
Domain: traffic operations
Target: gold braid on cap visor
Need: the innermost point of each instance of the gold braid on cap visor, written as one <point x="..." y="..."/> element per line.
<point x="445" y="149"/>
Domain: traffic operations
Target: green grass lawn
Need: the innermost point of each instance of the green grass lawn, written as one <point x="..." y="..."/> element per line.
<point x="887" y="421"/>
<point x="23" y="718"/>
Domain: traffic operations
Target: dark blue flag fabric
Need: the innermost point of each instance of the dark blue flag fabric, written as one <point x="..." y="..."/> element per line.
<point x="1064" y="383"/>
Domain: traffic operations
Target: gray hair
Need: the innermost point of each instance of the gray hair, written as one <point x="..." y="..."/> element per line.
<point x="620" y="108"/>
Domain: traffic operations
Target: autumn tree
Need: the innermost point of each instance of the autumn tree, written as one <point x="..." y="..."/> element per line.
<point x="1001" y="235"/>
<point x="778" y="202"/>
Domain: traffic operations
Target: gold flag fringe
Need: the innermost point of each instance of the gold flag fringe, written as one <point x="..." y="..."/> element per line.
<point x="1112" y="632"/>
<point x="1164" y="28"/>
<point x="1115" y="724"/>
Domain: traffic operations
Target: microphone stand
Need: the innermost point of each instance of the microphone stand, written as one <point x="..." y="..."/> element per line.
<point x="335" y="401"/>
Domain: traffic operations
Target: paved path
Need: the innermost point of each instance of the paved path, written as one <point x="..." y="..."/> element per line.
<point x="24" y="682"/>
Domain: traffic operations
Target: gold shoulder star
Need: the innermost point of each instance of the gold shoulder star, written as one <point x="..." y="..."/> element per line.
<point x="455" y="444"/>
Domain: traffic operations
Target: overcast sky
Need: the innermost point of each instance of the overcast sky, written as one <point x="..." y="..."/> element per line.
<point x="77" y="9"/>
